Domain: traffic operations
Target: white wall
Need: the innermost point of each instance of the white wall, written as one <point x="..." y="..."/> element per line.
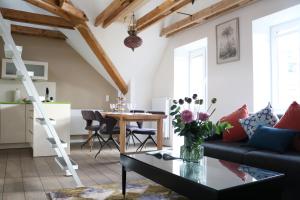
<point x="8" y="87"/>
<point x="230" y="83"/>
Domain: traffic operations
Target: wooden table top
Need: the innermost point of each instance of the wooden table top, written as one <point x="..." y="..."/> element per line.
<point x="135" y="116"/>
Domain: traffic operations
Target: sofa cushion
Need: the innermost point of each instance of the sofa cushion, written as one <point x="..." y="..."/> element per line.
<point x="286" y="163"/>
<point x="264" y="117"/>
<point x="234" y="151"/>
<point x="274" y="139"/>
<point x="237" y="133"/>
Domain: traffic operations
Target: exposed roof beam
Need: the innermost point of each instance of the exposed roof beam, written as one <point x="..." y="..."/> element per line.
<point x="33" y="18"/>
<point x="202" y="16"/>
<point x="55" y="9"/>
<point x="116" y="10"/>
<point x="91" y="41"/>
<point x="75" y="12"/>
<point x="24" y="30"/>
<point x="106" y="12"/>
<point x="58" y="2"/>
<point x="50" y="8"/>
<point x="53" y="2"/>
<point x="161" y="11"/>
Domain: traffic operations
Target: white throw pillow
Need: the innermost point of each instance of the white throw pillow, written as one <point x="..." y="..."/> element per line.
<point x="264" y="117"/>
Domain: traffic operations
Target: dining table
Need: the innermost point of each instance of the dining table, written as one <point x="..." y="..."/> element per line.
<point x="124" y="118"/>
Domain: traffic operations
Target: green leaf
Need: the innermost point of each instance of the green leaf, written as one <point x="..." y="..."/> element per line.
<point x="177" y="130"/>
<point x="174" y="123"/>
<point x="173" y="113"/>
<point x="173" y="107"/>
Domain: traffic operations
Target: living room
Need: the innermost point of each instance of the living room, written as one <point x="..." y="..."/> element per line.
<point x="198" y="99"/>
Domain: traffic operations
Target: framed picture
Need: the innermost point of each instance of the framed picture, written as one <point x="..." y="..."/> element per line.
<point x="228" y="43"/>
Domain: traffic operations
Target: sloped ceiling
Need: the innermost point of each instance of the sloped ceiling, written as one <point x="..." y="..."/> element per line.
<point x="130" y="64"/>
<point x="142" y="61"/>
<point x="139" y="65"/>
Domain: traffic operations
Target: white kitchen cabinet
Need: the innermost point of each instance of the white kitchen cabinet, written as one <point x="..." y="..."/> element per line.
<point x="38" y="70"/>
<point x="12" y="119"/>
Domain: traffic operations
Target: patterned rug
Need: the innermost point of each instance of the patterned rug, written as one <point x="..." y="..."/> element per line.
<point x="139" y="190"/>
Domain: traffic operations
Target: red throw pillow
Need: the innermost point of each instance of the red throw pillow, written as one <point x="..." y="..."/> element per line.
<point x="237" y="133"/>
<point x="290" y="120"/>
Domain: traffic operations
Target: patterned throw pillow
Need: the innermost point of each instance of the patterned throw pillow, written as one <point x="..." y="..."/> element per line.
<point x="265" y="117"/>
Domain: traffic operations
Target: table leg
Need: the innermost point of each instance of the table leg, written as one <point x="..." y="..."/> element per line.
<point x="91" y="141"/>
<point x="123" y="181"/>
<point x="159" y="134"/>
<point x="122" y="136"/>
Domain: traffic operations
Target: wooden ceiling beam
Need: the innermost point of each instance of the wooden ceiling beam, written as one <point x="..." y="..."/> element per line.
<point x="123" y="9"/>
<point x="33" y="18"/>
<point x="203" y="15"/>
<point x="53" y="2"/>
<point x="75" y="12"/>
<point x="106" y="12"/>
<point x="160" y="12"/>
<point x="116" y="10"/>
<point x="91" y="40"/>
<point x="24" y="30"/>
<point x="50" y="8"/>
<point x="67" y="13"/>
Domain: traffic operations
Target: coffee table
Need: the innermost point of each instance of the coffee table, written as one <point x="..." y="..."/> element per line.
<point x="210" y="179"/>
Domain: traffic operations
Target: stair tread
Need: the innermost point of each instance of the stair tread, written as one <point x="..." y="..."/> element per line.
<point x="42" y="120"/>
<point x="61" y="162"/>
<point x="54" y="145"/>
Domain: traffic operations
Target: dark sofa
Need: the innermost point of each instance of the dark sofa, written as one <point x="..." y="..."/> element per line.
<point x="239" y="152"/>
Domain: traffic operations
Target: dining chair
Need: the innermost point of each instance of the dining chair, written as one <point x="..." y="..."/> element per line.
<point x="130" y="128"/>
<point x="108" y="127"/>
<point x="147" y="131"/>
<point x="89" y="117"/>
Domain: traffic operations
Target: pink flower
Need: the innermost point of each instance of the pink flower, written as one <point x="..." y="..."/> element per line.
<point x="187" y="116"/>
<point x="203" y="116"/>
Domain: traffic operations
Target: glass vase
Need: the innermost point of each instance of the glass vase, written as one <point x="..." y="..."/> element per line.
<point x="189" y="152"/>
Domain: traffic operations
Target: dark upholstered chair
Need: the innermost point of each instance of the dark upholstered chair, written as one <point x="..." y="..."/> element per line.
<point x="147" y="131"/>
<point x="130" y="128"/>
<point x="108" y="127"/>
<point x="89" y="117"/>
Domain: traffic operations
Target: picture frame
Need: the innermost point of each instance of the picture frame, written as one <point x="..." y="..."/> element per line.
<point x="228" y="41"/>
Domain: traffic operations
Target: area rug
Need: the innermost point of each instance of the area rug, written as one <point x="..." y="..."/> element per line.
<point x="138" y="190"/>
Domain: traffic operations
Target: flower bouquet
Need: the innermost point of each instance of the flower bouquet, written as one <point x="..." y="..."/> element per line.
<point x="194" y="126"/>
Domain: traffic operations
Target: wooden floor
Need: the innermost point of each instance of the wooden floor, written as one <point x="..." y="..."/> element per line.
<point x="24" y="177"/>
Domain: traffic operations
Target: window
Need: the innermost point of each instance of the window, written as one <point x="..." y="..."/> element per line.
<point x="197" y="74"/>
<point x="285" y="62"/>
<point x="190" y="74"/>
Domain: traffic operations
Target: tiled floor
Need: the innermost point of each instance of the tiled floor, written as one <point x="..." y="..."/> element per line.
<point x="24" y="177"/>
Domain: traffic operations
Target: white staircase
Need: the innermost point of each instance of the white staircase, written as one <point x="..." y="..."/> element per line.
<point x="58" y="145"/>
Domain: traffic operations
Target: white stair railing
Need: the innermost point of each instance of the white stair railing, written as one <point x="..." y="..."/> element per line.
<point x="63" y="159"/>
